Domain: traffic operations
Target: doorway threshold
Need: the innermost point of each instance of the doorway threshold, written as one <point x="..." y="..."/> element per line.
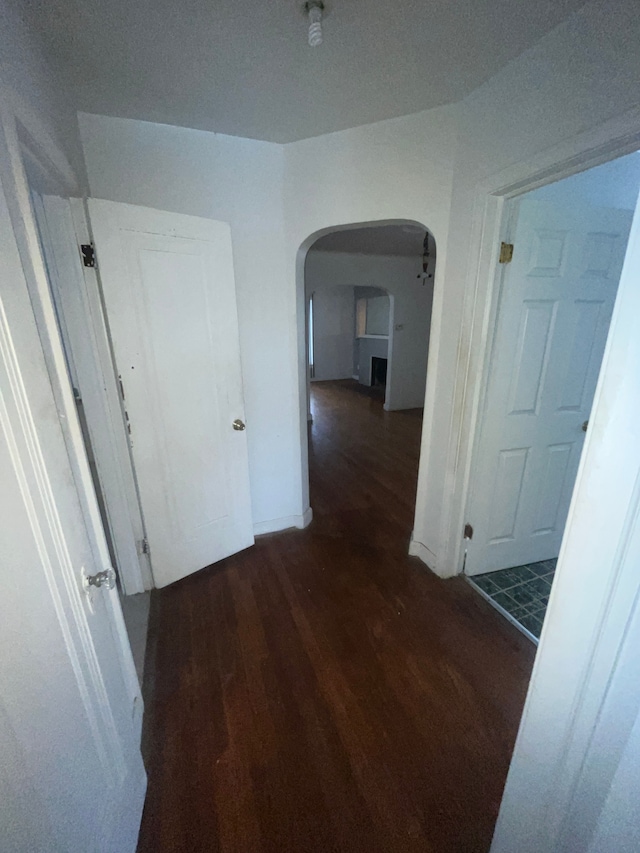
<point x="520" y="594"/>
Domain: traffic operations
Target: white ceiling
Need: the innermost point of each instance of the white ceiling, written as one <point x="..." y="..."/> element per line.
<point x="374" y="240"/>
<point x="243" y="67"/>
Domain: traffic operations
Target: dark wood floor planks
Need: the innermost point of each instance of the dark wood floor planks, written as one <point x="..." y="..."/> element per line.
<point x="323" y="691"/>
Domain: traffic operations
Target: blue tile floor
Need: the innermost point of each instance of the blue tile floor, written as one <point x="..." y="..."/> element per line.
<point x="523" y="592"/>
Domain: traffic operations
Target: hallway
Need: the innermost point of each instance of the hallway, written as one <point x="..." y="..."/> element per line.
<point x="323" y="691"/>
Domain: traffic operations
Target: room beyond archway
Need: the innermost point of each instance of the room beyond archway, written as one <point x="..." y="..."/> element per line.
<point x="368" y="294"/>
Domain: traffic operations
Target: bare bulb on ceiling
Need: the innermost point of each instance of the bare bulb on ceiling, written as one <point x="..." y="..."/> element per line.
<point x="314" y="11"/>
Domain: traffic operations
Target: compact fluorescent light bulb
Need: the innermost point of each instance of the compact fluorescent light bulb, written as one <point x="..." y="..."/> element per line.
<point x="315" y="23"/>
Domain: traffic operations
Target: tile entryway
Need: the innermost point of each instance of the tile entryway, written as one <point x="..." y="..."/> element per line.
<point x="522" y="593"/>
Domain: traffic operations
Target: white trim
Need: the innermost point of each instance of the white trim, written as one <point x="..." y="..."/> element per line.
<point x="417" y="549"/>
<point x="19" y="430"/>
<point x="84" y="331"/>
<point x="274" y="525"/>
<point x="612" y="139"/>
<point x="584" y="695"/>
<point x="302" y="443"/>
<point x="12" y="137"/>
<point x="136" y="574"/>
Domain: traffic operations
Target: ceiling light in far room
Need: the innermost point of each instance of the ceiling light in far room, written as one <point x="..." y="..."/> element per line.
<point x="314" y="10"/>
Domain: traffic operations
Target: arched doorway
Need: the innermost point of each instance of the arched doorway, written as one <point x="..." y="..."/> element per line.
<point x="365" y="295"/>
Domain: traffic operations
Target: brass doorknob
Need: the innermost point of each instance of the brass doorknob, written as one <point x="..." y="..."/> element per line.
<point x="238" y="424"/>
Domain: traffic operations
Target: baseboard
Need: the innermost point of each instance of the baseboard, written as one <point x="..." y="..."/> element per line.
<point x="394" y="408"/>
<point x="417" y="549"/>
<point x="273" y="525"/>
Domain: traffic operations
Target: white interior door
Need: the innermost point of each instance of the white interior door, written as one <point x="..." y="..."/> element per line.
<point x="79" y="311"/>
<point x="169" y="292"/>
<point x="555" y="305"/>
<point x="71" y="773"/>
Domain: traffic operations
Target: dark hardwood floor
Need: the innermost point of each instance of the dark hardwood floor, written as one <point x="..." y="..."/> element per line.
<point x="323" y="691"/>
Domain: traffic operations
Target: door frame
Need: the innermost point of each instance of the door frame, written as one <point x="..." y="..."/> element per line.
<point x="588" y="618"/>
<point x="30" y="148"/>
<point x="492" y="224"/>
<point x="584" y="695"/>
<point x="511" y="215"/>
<point x="304" y="380"/>
<point x="23" y="136"/>
<point x="63" y="227"/>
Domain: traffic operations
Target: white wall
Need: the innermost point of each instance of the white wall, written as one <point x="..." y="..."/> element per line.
<point x="378" y="315"/>
<point x="399" y="169"/>
<point x="239" y="181"/>
<point x="617" y="827"/>
<point x="411" y="312"/>
<point x="35" y="94"/>
<point x="584" y="72"/>
<point x="581" y="74"/>
<point x="333" y="329"/>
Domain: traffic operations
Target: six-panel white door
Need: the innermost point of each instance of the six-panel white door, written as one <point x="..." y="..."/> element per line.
<point x="553" y="316"/>
<point x="169" y="291"/>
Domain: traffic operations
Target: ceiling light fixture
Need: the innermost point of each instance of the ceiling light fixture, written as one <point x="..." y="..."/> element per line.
<point x="314" y="10"/>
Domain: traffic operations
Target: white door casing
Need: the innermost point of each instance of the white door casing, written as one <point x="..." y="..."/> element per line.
<point x="79" y="311"/>
<point x="575" y="772"/>
<point x="72" y="776"/>
<point x="555" y="305"/>
<point x="169" y="292"/>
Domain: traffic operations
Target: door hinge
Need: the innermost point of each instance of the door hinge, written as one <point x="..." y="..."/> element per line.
<point x="506" y="253"/>
<point x="144" y="546"/>
<point x="88" y="252"/>
<point x="468" y="531"/>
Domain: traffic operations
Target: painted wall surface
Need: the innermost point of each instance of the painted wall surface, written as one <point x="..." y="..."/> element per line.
<point x="618" y="827"/>
<point x="238" y="181"/>
<point x="411" y="313"/>
<point x="35" y="94"/>
<point x="378" y="315"/>
<point x="333" y="329"/>
<point x="396" y="169"/>
<point x="584" y="72"/>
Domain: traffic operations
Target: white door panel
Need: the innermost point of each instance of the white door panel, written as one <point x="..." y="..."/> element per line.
<point x="70" y="707"/>
<point x="169" y="292"/>
<point x="78" y="307"/>
<point x="552" y="322"/>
